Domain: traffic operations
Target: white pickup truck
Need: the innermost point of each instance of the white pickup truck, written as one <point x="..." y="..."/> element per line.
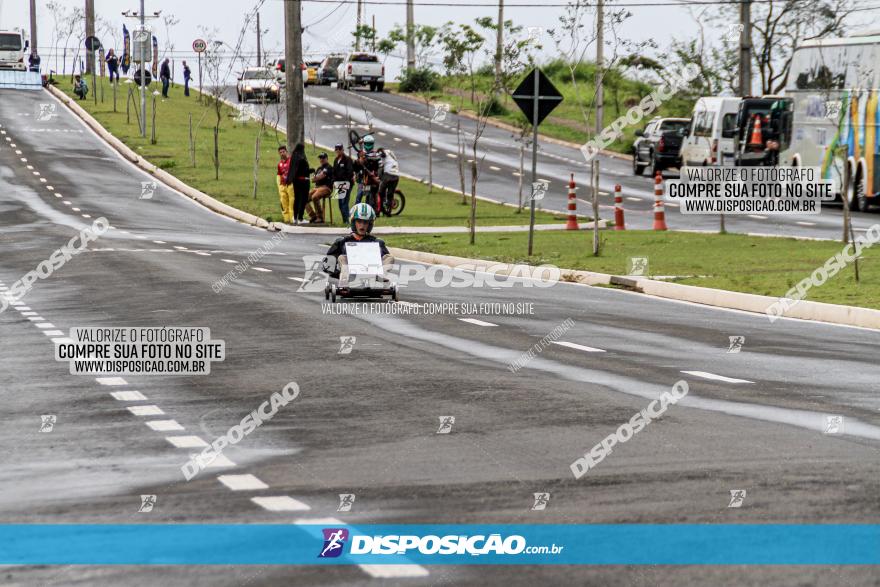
<point x="13" y="50"/>
<point x="361" y="69"/>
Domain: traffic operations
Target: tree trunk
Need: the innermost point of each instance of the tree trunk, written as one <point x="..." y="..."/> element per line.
<point x="522" y="161"/>
<point x="257" y="158"/>
<point x="216" y="153"/>
<point x="473" y="218"/>
<point x="192" y="142"/>
<point x="460" y="146"/>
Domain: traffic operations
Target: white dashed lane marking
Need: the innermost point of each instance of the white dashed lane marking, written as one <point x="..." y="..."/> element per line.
<point x="186" y="441"/>
<point x="280" y="503"/>
<point x="713" y="376"/>
<point x="579" y="347"/>
<point x="164" y="425"/>
<point x="128" y="396"/>
<point x="151" y="410"/>
<point x="806" y="223"/>
<point x="111" y="381"/>
<point x="245" y="482"/>
<point x="477" y="322"/>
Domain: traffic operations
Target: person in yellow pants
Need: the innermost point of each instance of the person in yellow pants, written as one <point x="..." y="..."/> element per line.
<point x="285" y="190"/>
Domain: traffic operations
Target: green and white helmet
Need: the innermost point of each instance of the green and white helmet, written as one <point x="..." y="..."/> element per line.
<point x="369" y="142"/>
<point x="363" y="211"/>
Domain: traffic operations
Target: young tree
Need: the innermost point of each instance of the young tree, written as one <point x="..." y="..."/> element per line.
<point x="214" y="58"/>
<point x="460" y="45"/>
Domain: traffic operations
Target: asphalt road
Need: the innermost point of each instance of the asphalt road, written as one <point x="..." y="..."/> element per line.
<point x="366" y="423"/>
<point x="401" y="124"/>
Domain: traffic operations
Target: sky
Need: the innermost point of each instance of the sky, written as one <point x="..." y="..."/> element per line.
<point x="328" y="24"/>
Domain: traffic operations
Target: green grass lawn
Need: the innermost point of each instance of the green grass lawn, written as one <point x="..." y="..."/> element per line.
<point x="567" y="121"/>
<point x="237" y="148"/>
<point x="765" y="266"/>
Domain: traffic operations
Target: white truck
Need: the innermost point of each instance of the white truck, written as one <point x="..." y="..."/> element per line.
<point x="361" y="69"/>
<point x="13" y="51"/>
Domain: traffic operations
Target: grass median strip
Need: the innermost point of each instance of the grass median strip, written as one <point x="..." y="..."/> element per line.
<point x="758" y="265"/>
<point x="237" y="147"/>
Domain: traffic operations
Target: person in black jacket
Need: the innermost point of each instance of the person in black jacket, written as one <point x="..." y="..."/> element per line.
<point x="165" y="76"/>
<point x="343" y="170"/>
<point x="298" y="176"/>
<point x="112" y="65"/>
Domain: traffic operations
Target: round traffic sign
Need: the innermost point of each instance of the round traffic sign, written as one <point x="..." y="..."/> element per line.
<point x="92" y="43"/>
<point x="200" y="45"/>
<point x="147" y="81"/>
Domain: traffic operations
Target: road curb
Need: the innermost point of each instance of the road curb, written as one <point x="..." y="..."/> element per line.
<point x="160" y="174"/>
<point x="757" y="304"/>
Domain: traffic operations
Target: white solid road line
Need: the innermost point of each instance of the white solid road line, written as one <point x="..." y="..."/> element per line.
<point x="579" y="347"/>
<point x="715" y="377"/>
<point x="186" y="441"/>
<point x="111" y="381"/>
<point x="477" y="322"/>
<point x="128" y="396"/>
<point x="280" y="503"/>
<point x="245" y="482"/>
<point x="151" y="410"/>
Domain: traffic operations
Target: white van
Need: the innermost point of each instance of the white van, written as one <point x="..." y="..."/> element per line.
<point x="709" y="140"/>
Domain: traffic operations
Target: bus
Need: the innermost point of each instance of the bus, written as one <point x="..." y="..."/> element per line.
<point x="835" y="85"/>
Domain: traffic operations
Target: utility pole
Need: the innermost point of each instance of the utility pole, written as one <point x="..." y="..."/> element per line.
<point x="600" y="114"/>
<point x="374" y="33"/>
<point x="259" y="34"/>
<point x="745" y="48"/>
<point x="499" y="46"/>
<point x="410" y="36"/>
<point x="90" y="32"/>
<point x="33" y="26"/>
<point x="357" y="39"/>
<point x="293" y="60"/>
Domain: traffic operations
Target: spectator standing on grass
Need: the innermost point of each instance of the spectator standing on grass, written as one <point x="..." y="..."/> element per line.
<point x="285" y="191"/>
<point x="112" y="65"/>
<point x="80" y="87"/>
<point x="187" y="75"/>
<point x="298" y="177"/>
<point x="323" y="187"/>
<point x="165" y="76"/>
<point x="343" y="170"/>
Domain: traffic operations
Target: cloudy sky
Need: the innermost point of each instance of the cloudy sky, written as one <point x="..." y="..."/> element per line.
<point x="329" y="23"/>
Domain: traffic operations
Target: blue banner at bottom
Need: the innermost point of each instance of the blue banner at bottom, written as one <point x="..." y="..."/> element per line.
<point x="466" y="544"/>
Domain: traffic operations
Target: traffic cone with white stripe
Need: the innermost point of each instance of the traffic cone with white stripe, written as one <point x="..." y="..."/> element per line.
<point x="618" y="209"/>
<point x="659" y="209"/>
<point x="572" y="223"/>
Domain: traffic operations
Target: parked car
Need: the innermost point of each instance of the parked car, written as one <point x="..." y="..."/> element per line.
<point x="327" y="72"/>
<point x="312" y="69"/>
<point x="258" y="83"/>
<point x="361" y="69"/>
<point x="658" y="145"/>
<point x="281" y="76"/>
<point x="709" y="140"/>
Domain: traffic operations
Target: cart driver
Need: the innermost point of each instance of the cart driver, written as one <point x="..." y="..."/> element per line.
<point x="362" y="217"/>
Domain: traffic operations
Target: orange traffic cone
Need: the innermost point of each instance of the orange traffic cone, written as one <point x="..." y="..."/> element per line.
<point x="572" y="223"/>
<point x="757" y="138"/>
<point x="659" y="209"/>
<point x="618" y="209"/>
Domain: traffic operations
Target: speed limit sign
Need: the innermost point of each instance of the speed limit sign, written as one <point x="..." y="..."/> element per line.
<point x="199" y="45"/>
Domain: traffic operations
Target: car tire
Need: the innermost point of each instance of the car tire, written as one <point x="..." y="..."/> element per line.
<point x="380" y="87"/>
<point x="239" y="96"/>
<point x="638" y="169"/>
<point x="372" y="86"/>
